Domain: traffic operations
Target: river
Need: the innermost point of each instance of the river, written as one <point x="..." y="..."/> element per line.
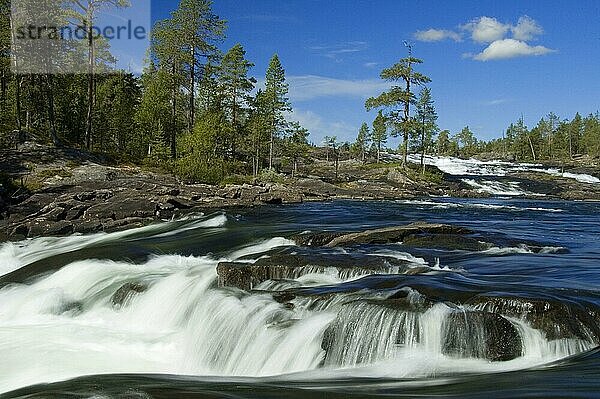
<point x="342" y="334"/>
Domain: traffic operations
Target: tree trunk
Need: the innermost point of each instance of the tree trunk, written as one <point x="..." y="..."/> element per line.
<point x="51" y="115"/>
<point x="271" y="143"/>
<point x="570" y="145"/>
<point x="91" y="82"/>
<point x="4" y="86"/>
<point x="18" y="80"/>
<point x="337" y="158"/>
<point x="423" y="148"/>
<point x="405" y="149"/>
<point x="407" y="113"/>
<point x="18" y="110"/>
<point x="531" y="146"/>
<point x="174" y="116"/>
<point x="192" y="115"/>
<point x="378" y="151"/>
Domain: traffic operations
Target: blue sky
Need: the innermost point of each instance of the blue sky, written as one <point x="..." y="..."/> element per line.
<point x="489" y="61"/>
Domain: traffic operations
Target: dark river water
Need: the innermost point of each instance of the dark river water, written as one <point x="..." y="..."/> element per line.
<point x="517" y="319"/>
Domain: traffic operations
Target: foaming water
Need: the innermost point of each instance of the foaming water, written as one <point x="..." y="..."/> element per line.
<point x="315" y="325"/>
<point x="18" y="254"/>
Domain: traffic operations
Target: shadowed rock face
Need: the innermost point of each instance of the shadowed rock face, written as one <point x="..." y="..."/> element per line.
<point x="480" y="335"/>
<point x="555" y="318"/>
<point x="125" y="293"/>
<point x="281" y="266"/>
<point x="445" y="241"/>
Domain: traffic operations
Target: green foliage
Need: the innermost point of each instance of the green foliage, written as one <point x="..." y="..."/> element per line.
<point x="276" y="102"/>
<point x="397" y="100"/>
<point x="466" y="142"/>
<point x="427" y="119"/>
<point x="379" y="134"/>
<point x="360" y="146"/>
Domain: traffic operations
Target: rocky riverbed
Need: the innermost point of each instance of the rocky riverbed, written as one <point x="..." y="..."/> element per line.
<point x="57" y="191"/>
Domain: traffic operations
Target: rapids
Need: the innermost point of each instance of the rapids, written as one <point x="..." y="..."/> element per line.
<point x="463" y="314"/>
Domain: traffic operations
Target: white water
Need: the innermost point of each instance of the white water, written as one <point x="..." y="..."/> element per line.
<point x="65" y="325"/>
<point x="493" y="169"/>
<point x="16" y="255"/>
<point x="473" y="167"/>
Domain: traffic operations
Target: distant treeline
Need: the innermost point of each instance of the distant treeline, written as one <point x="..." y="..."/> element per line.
<point x="193" y="110"/>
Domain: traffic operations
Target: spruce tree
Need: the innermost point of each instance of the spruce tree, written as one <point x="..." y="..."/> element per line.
<point x="379" y="133"/>
<point x="427" y="120"/>
<point x="276" y="91"/>
<point x="362" y="140"/>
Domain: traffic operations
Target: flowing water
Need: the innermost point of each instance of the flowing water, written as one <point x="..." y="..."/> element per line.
<point x="516" y="319"/>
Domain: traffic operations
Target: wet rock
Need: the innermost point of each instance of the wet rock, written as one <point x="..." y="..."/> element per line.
<point x="121" y="208"/>
<point x="480" y="335"/>
<point x="122" y="224"/>
<point x="445" y="241"/>
<point x="280" y="195"/>
<point x="395" y="234"/>
<point x="315" y="239"/>
<point x="291" y="266"/>
<point x="556" y="319"/>
<point x="229" y="192"/>
<point x="126" y="292"/>
<point x="180" y="203"/>
<point x="235" y="274"/>
<point x="56" y="214"/>
<point x="74" y="308"/>
<point x="41" y="228"/>
<point x="87" y="227"/>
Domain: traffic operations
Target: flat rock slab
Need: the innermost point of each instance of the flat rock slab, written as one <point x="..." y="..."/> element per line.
<point x="284" y="266"/>
<point x="384" y="235"/>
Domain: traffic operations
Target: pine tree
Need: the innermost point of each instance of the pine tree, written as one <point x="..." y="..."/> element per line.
<point x="379" y="133"/>
<point x="198" y="31"/>
<point x="362" y="141"/>
<point x="443" y="144"/>
<point x="179" y="44"/>
<point x="296" y="144"/>
<point x="276" y="91"/>
<point x="399" y="99"/>
<point x="466" y="141"/>
<point x="236" y="87"/>
<point x="427" y="118"/>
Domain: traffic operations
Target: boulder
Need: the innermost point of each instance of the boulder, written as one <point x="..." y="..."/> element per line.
<point x="445" y="241"/>
<point x="482" y="335"/>
<point x="122" y="207"/>
<point x="556" y="319"/>
<point x="281" y="266"/>
<point x="125" y="293"/>
<point x="395" y="234"/>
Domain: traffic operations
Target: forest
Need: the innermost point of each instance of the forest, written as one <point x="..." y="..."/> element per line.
<point x="196" y="110"/>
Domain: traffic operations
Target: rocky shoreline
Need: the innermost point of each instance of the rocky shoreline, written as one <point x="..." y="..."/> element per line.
<point x="64" y="191"/>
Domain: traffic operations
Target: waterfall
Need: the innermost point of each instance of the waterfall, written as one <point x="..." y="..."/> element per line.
<point x="168" y="315"/>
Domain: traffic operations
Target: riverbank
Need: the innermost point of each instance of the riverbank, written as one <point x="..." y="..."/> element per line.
<point x="58" y="191"/>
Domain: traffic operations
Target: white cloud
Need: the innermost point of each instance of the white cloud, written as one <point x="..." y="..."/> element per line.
<point x="370" y="64"/>
<point x="436" y="35"/>
<point x="526" y="29"/>
<point x="309" y="87"/>
<point x="336" y="50"/>
<point x="486" y="29"/>
<point x="510" y="48"/>
<point x="497" y="101"/>
<point x="319" y="127"/>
